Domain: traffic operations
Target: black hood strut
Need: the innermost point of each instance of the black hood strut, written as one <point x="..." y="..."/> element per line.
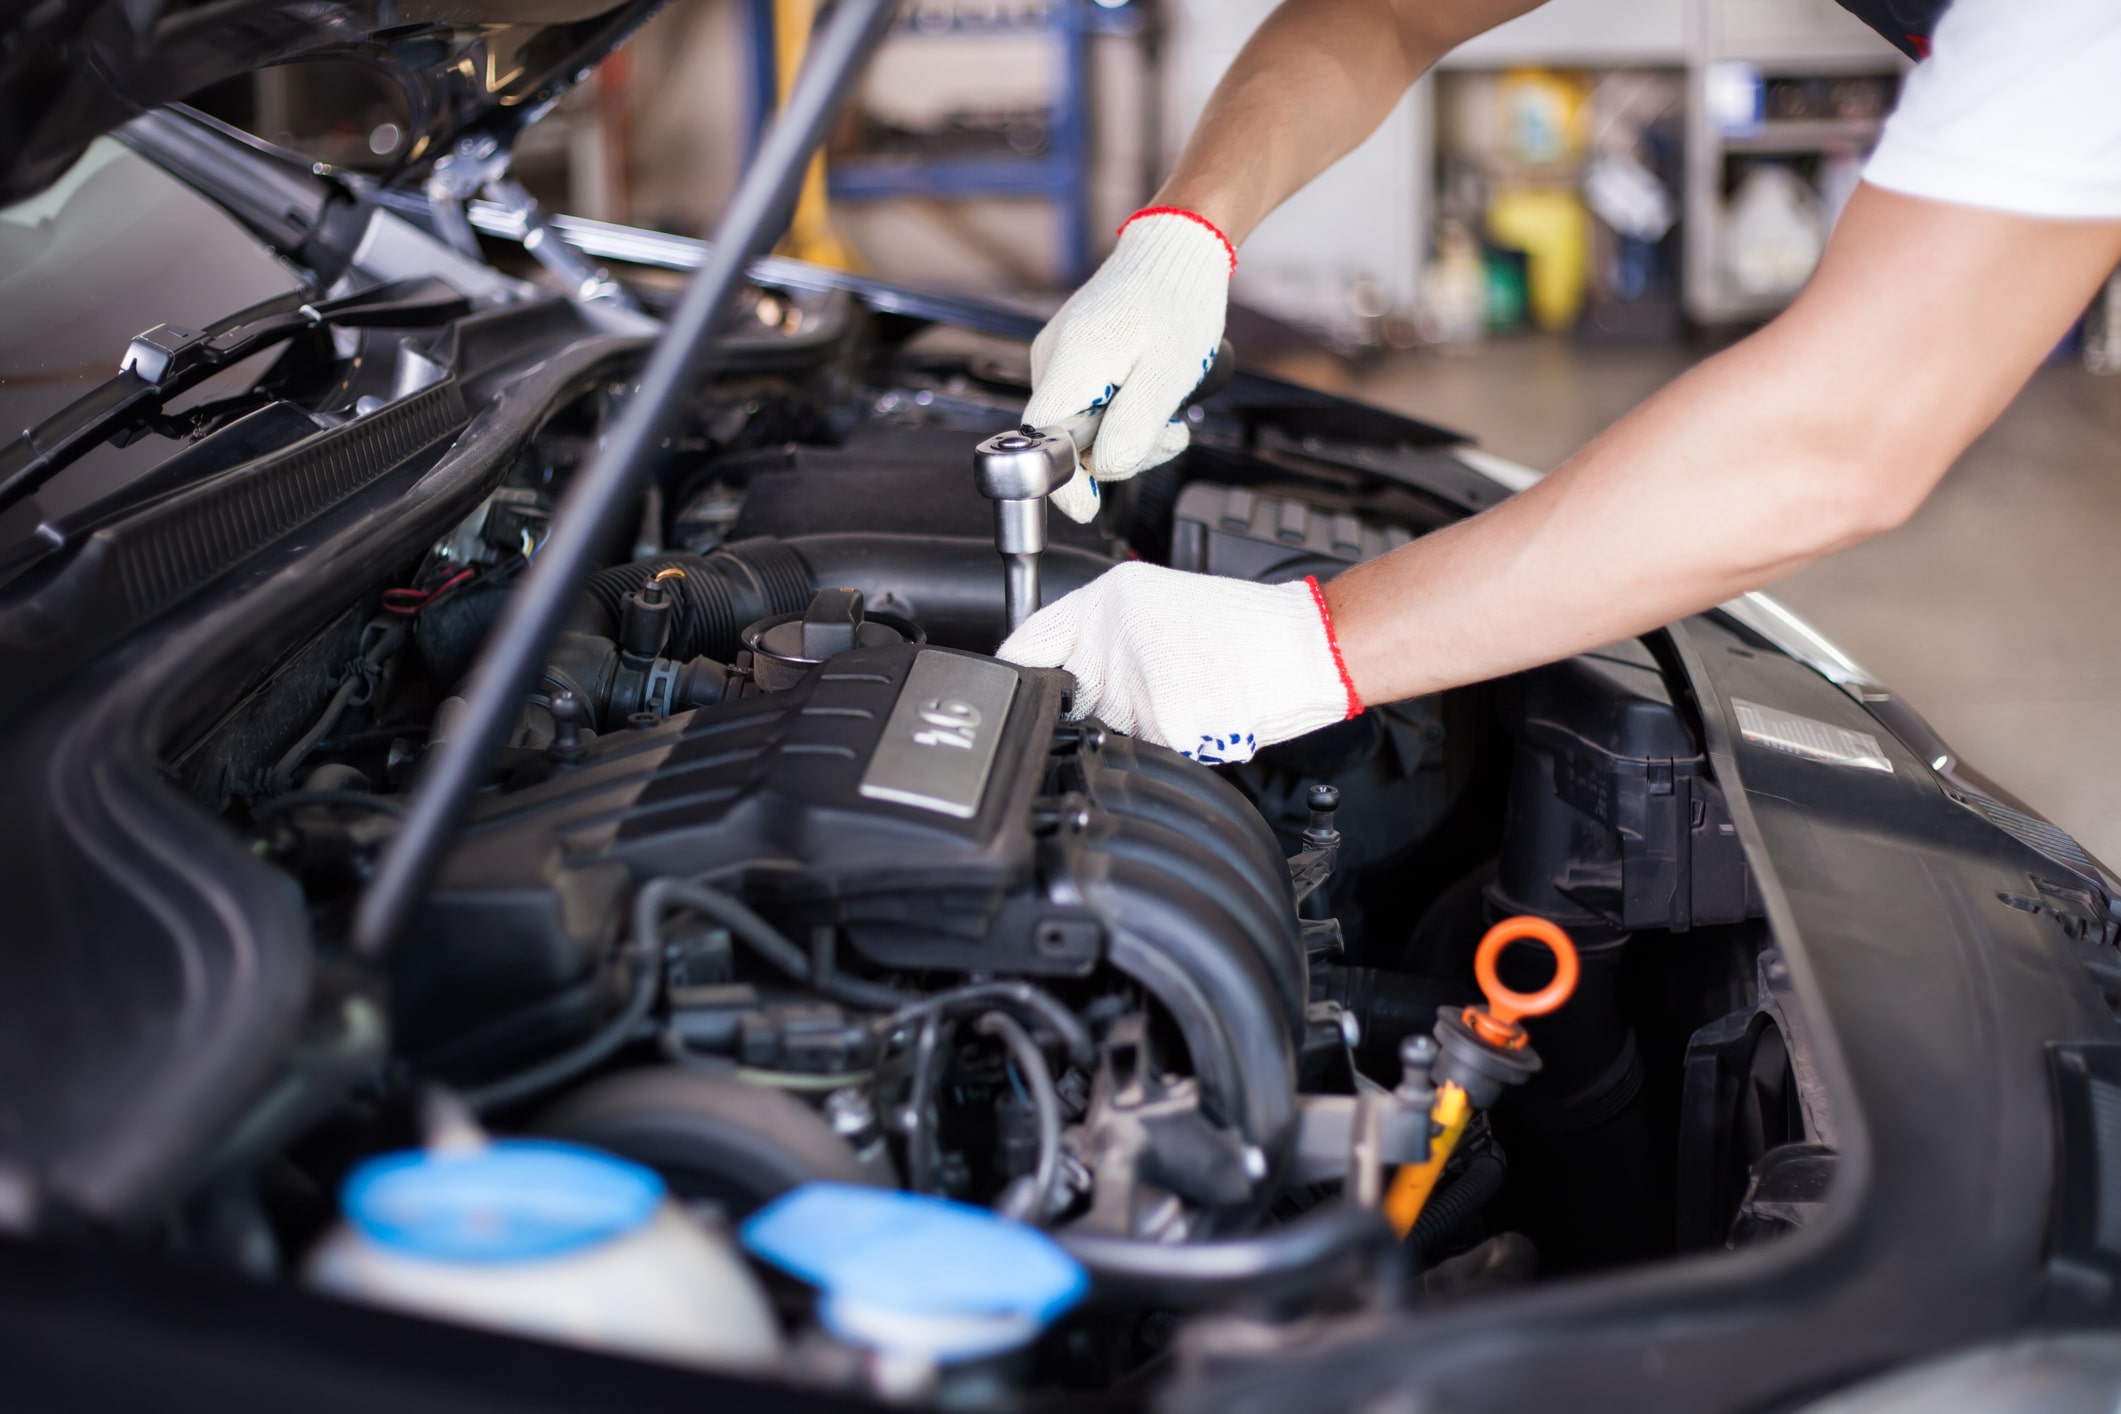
<point x="593" y="503"/>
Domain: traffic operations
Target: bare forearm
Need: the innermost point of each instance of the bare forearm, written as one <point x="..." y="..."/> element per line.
<point x="1312" y="82"/>
<point x="1690" y="500"/>
<point x="1827" y="427"/>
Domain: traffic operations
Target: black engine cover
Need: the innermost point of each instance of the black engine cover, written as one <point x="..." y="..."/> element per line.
<point x="767" y="788"/>
<point x="928" y="803"/>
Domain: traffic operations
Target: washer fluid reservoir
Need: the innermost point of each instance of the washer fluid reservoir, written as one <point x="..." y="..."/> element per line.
<point x="549" y="1240"/>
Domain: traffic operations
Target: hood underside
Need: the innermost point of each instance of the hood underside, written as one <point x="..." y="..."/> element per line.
<point x="71" y="70"/>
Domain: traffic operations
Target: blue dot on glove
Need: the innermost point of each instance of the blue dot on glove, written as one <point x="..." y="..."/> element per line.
<point x="1223" y="751"/>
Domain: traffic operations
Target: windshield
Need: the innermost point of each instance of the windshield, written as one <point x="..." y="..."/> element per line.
<point x="112" y="249"/>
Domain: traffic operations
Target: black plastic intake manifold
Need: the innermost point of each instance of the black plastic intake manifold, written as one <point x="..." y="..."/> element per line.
<point x="1084" y="855"/>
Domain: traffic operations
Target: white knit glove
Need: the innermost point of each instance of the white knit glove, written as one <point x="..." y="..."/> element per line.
<point x="1134" y="340"/>
<point x="1216" y="668"/>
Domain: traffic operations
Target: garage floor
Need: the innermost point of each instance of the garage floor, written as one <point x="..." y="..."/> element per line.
<point x="1993" y="610"/>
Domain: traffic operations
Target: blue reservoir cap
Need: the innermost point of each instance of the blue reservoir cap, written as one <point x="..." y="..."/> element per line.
<point x="880" y="1256"/>
<point x="511" y="1201"/>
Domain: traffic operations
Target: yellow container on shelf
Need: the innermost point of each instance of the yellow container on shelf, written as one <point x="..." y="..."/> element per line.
<point x="1543" y="113"/>
<point x="1550" y="225"/>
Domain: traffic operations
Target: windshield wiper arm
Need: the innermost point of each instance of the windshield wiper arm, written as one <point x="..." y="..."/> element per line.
<point x="166" y="361"/>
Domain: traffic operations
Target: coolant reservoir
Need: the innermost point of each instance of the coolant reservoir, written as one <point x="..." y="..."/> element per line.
<point x="549" y="1240"/>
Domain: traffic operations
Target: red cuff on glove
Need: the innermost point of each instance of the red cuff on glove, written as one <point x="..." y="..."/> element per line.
<point x="1194" y="216"/>
<point x="1318" y="597"/>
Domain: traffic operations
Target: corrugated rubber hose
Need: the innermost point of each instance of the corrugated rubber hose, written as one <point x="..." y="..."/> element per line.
<point x="1452" y="1208"/>
<point x="719" y="595"/>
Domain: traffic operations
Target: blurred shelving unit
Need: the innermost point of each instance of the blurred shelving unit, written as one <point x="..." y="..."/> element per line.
<point x="1058" y="173"/>
<point x="1630" y="58"/>
<point x="1778" y="45"/>
<point x="1805" y="135"/>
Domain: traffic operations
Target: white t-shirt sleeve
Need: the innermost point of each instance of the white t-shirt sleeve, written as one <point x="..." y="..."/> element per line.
<point x="2018" y="108"/>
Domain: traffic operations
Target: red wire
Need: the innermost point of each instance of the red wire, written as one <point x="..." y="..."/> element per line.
<point x="411" y="601"/>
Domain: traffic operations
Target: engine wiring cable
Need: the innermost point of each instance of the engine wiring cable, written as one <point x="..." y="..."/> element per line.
<point x="1311" y="1253"/>
<point x="1033" y="1201"/>
<point x="1035" y="1001"/>
<point x="934" y="1016"/>
<point x="671" y="1042"/>
<point x="403" y="724"/>
<point x="272" y="806"/>
<point x="767" y="941"/>
<point x="798" y="1080"/>
<point x="406" y="602"/>
<point x="380" y="639"/>
<point x="645" y="955"/>
<point x="827" y="978"/>
<point x="599" y="494"/>
<point x="284" y="769"/>
<point x="783" y="953"/>
<point x="913" y="1123"/>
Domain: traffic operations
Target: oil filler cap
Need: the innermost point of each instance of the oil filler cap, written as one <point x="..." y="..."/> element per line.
<point x="917" y="1275"/>
<point x="507" y="1201"/>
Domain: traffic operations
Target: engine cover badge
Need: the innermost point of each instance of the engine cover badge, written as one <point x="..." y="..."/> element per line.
<point x="938" y="746"/>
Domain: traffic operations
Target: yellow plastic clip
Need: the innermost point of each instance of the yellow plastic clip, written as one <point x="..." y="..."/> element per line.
<point x="1413" y="1184"/>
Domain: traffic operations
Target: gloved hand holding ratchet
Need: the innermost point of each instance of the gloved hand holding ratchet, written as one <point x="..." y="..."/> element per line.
<point x="1134" y="341"/>
<point x="1215" y="668"/>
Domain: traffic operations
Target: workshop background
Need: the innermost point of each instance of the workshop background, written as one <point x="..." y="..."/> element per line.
<point x="1561" y="219"/>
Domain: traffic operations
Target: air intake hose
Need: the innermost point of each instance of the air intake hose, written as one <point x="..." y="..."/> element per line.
<point x="719" y="595"/>
<point x="950" y="585"/>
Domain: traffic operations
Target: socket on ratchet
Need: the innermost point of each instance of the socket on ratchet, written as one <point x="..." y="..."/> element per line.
<point x="1019" y="469"/>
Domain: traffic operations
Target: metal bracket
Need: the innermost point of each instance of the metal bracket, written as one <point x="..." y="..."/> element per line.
<point x="1328" y="1128"/>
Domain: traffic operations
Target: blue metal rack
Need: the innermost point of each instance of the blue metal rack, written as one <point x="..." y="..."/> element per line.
<point x="1061" y="175"/>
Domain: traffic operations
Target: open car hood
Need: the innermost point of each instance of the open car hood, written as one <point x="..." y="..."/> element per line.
<point x="71" y="70"/>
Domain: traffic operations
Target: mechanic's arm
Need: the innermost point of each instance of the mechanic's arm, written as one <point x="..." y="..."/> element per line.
<point x="1312" y="82"/>
<point x="1828" y="426"/>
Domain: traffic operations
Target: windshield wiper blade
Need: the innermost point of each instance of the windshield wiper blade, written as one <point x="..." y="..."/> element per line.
<point x="167" y="361"/>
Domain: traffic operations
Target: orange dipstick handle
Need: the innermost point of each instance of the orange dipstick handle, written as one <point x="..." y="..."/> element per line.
<point x="1497" y="1023"/>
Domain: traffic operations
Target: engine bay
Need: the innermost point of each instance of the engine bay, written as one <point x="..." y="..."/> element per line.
<point x="530" y="884"/>
<point x="785" y="886"/>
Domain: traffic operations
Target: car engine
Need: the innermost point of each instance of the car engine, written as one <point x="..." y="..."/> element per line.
<point x="789" y="897"/>
<point x="925" y="809"/>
